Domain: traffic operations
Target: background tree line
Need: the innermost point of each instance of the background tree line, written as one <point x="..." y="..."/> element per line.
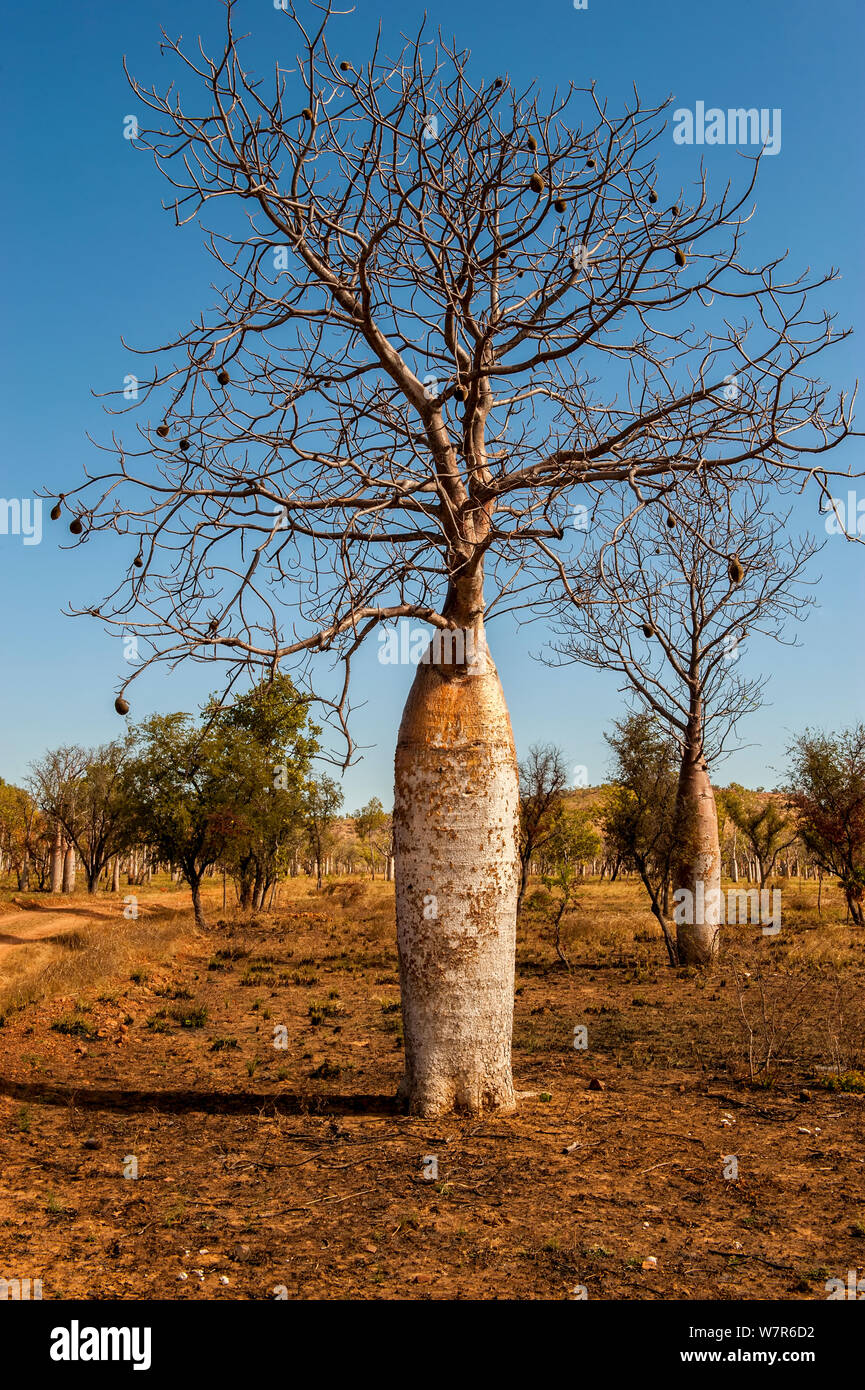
<point x="813" y="825"/>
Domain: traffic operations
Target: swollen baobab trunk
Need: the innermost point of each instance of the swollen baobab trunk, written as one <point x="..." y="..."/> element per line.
<point x="457" y="875"/>
<point x="697" y="865"/>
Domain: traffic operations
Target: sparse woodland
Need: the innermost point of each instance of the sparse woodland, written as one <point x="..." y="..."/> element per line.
<point x="468" y="358"/>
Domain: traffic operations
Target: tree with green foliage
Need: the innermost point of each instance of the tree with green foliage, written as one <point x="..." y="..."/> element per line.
<point x="272" y="745"/>
<point x="639" y="820"/>
<point x="827" y="789"/>
<point x="21" y="830"/>
<point x="322" y="800"/>
<point x="572" y="839"/>
<point x="184" y="792"/>
<point x="766" y="827"/>
<point x="373" y="829"/>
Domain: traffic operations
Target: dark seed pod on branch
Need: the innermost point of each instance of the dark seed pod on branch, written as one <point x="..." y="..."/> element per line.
<point x="536" y="183"/>
<point x="532" y="143"/>
<point x="76" y="526"/>
<point x="138" y="562"/>
<point x="560" y="205"/>
<point x="223" y="378"/>
<point x="162" y="431"/>
<point x="344" y="66"/>
<point x="499" y="82"/>
<point x="306" y="114"/>
<point x="736" y="570"/>
<point x="671" y="522"/>
<point x="460" y="393"/>
<point x="653" y="197"/>
<point x="184" y="445"/>
<point x="681" y="259"/>
<point x="590" y="164"/>
<point x="675" y="210"/>
<point x="121" y="705"/>
<point x="648" y="630"/>
<point x="56" y="512"/>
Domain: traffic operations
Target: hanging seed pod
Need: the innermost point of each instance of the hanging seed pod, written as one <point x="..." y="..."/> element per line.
<point x="184" y="445"/>
<point x="653" y="197"/>
<point x="680" y="257"/>
<point x="532" y="143"/>
<point x="344" y="66"/>
<point x="306" y="114"/>
<point x="162" y="431"/>
<point x="499" y="82"/>
<point x="648" y="630"/>
<point x="222" y="377"/>
<point x="675" y="209"/>
<point x="736" y="570"/>
<point x="76" y="526"/>
<point x="560" y="205"/>
<point x="536" y="183"/>
<point x="138" y="562"/>
<point x="460" y="393"/>
<point x="56" y="511"/>
<point x="671" y="522"/>
<point x="590" y="164"/>
<point x="121" y="705"/>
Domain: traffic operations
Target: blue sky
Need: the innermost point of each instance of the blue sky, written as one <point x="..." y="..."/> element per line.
<point x="90" y="256"/>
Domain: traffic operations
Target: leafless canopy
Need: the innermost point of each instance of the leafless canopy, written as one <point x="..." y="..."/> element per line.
<point x="449" y="309"/>
<point x="671" y="599"/>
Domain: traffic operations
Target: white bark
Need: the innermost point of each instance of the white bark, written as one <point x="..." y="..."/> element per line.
<point x="698" y="865"/>
<point x="57" y="861"/>
<point x="457" y="875"/>
<point x="69" y="869"/>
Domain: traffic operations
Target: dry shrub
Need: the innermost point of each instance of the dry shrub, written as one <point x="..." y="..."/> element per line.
<point x="348" y="893"/>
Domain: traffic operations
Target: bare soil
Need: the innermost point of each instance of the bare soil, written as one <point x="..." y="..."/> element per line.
<point x="270" y="1171"/>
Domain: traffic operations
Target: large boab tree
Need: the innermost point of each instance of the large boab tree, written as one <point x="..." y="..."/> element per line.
<point x="426" y="274"/>
<point x="670" y="603"/>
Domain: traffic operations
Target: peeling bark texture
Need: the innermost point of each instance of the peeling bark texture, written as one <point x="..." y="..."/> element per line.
<point x="698" y="862"/>
<point x="456" y="808"/>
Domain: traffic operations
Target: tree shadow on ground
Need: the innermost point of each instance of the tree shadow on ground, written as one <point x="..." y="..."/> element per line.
<point x="209" y="1102"/>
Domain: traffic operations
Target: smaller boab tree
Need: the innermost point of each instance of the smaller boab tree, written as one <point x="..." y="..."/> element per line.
<point x="668" y="606"/>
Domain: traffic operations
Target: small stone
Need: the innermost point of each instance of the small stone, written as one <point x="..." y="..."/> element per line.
<point x="596" y="1084"/>
<point x="92" y="1144"/>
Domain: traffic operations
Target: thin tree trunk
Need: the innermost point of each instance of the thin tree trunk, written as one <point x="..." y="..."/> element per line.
<point x="57" y="861"/>
<point x="697" y="864"/>
<point x="200" y="919"/>
<point x="524" y="881"/>
<point x="69" y="869"/>
<point x="456" y="810"/>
